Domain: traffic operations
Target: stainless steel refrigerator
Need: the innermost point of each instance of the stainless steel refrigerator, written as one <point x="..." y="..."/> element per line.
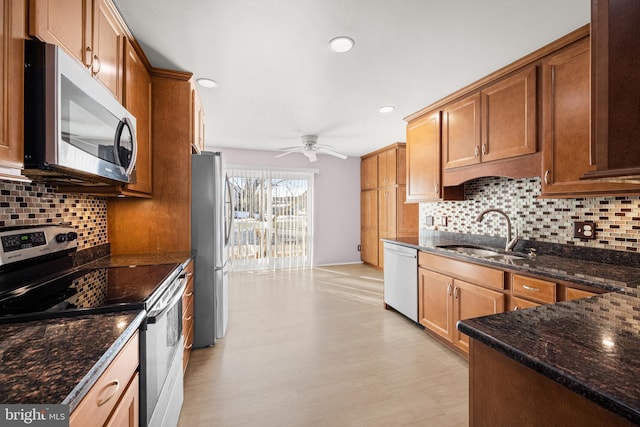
<point x="211" y="218"/>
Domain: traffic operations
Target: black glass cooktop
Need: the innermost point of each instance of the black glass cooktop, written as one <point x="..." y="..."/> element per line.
<point x="80" y="291"/>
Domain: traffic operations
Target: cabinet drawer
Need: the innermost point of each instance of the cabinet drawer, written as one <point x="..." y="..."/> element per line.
<point x="518" y="304"/>
<point x="188" y="344"/>
<point x="573" y="293"/>
<point x="535" y="289"/>
<point x="106" y="392"/>
<point x="476" y="274"/>
<point x="187" y="314"/>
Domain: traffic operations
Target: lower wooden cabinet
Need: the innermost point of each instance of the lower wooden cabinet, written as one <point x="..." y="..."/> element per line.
<point x="113" y="399"/>
<point x="573" y="293"/>
<point x="443" y="300"/>
<point x="187" y="315"/>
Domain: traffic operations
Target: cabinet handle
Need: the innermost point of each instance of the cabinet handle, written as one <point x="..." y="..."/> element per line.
<point x="531" y="288"/>
<point x="456" y="292"/>
<point x="546" y="177"/>
<point x="88" y="57"/>
<point x="476" y="151"/>
<point x="95" y="61"/>
<point x="188" y="318"/>
<point x="515" y="308"/>
<point x="112" y="383"/>
<point x="436" y="188"/>
<point x="449" y="289"/>
<point x="189" y="347"/>
<point x="188" y="294"/>
<point x="484" y="149"/>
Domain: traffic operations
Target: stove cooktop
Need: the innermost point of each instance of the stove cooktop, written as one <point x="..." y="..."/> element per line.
<point x="82" y="291"/>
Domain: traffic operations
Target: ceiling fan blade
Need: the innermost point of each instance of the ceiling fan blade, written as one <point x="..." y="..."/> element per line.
<point x="295" y="148"/>
<point x="284" y="154"/>
<point x="311" y="155"/>
<point x="333" y="153"/>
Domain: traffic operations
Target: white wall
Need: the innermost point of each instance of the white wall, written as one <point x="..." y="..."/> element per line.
<point x="336" y="197"/>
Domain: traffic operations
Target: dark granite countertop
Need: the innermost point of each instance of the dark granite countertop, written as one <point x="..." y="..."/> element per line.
<point x="591" y="345"/>
<point x="58" y="360"/>
<point x="143" y="259"/>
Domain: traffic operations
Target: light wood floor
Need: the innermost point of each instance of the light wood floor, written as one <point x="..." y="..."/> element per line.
<point x="315" y="347"/>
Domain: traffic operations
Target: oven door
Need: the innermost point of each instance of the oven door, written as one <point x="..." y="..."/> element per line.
<point x="162" y="344"/>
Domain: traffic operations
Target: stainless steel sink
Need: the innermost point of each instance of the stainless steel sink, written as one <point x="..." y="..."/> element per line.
<point x="482" y="252"/>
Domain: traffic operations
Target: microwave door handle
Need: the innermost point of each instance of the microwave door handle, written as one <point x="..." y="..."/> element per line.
<point x="126" y="122"/>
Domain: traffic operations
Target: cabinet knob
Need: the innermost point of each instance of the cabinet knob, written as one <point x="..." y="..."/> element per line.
<point x="96" y="65"/>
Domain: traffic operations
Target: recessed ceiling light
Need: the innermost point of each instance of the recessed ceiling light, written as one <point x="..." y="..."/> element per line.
<point x="341" y="44"/>
<point x="208" y="83"/>
<point x="387" y="109"/>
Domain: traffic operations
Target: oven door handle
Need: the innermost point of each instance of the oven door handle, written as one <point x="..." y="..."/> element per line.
<point x="155" y="313"/>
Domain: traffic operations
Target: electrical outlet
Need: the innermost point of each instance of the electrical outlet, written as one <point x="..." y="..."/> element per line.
<point x="584" y="230"/>
<point x="429" y="221"/>
<point x="443" y="220"/>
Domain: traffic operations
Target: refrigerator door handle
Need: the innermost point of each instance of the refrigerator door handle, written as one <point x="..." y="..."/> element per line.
<point x="228" y="202"/>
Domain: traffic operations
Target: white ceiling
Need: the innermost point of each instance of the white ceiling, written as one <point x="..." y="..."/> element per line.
<point x="278" y="79"/>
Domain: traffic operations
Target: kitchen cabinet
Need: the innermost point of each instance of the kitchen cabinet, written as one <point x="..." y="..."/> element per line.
<point x="114" y="399"/>
<point x="163" y="223"/>
<point x="504" y="392"/>
<point x="574" y="293"/>
<point x="92" y="31"/>
<point x="187" y="314"/>
<point x="423" y="181"/>
<point x="542" y="291"/>
<point x="197" y="119"/>
<point x="444" y="297"/>
<point x="499" y="122"/>
<point x="566" y="106"/>
<point x="392" y="217"/>
<point x="13" y="17"/>
<point x="369" y="172"/>
<point x="615" y="90"/>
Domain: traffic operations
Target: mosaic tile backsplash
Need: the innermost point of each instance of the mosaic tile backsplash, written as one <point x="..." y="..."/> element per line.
<point x="617" y="219"/>
<point x="30" y="204"/>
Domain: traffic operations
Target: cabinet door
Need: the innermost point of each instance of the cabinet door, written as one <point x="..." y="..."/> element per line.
<point x="461" y="133"/>
<point x="197" y="117"/>
<point x="471" y="301"/>
<point x="406" y="215"/>
<point x="509" y="117"/>
<point x="137" y="99"/>
<point x="369" y="209"/>
<point x="387" y="167"/>
<point x="66" y="23"/>
<point x="435" y="311"/>
<point x="108" y="45"/>
<point x="566" y="103"/>
<point x="369" y="172"/>
<point x="615" y="87"/>
<point x="387" y="202"/>
<point x="12" y="16"/>
<point x="423" y="158"/>
<point x="126" y="413"/>
<point x="369" y="246"/>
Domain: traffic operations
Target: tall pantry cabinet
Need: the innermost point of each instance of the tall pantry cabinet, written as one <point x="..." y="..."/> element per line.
<point x="383" y="211"/>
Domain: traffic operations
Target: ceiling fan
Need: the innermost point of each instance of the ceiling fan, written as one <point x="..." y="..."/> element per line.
<point x="310" y="148"/>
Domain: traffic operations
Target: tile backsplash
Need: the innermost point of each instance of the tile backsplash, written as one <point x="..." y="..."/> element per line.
<point x="617" y="219"/>
<point x="30" y="204"/>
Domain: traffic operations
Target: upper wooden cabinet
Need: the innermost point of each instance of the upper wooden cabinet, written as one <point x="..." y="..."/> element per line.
<point x="615" y="95"/>
<point x="369" y="172"/>
<point x="197" y="121"/>
<point x="509" y="117"/>
<point x="566" y="111"/>
<point x="388" y="162"/>
<point x="497" y="123"/>
<point x="461" y="132"/>
<point x="12" y="17"/>
<point x="90" y="30"/>
<point x="423" y="158"/>
<point x="137" y="99"/>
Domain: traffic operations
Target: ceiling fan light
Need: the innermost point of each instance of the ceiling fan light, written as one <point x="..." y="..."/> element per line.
<point x="208" y="83"/>
<point x="341" y="44"/>
<point x="386" y="109"/>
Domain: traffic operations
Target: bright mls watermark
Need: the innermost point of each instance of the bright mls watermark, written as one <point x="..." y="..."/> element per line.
<point x="34" y="415"/>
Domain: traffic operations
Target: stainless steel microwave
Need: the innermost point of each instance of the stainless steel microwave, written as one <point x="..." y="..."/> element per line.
<point x="75" y="130"/>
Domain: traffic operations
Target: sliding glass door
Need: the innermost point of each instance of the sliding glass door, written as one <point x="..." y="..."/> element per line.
<point x="272" y="219"/>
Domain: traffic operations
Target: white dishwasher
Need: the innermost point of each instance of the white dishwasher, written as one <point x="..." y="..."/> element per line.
<point x="401" y="279"/>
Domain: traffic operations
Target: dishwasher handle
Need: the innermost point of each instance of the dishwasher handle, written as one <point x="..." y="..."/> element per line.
<point x="404" y="254"/>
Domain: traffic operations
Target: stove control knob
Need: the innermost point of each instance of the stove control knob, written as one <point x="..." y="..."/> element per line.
<point x="61" y="238"/>
<point x="72" y="236"/>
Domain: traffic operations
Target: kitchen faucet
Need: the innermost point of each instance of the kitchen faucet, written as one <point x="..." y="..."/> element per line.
<point x="510" y="242"/>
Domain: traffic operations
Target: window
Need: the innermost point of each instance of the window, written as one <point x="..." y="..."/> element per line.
<point x="272" y="219"/>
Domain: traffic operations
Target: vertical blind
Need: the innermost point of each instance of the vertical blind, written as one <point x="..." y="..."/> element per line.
<point x="272" y="212"/>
